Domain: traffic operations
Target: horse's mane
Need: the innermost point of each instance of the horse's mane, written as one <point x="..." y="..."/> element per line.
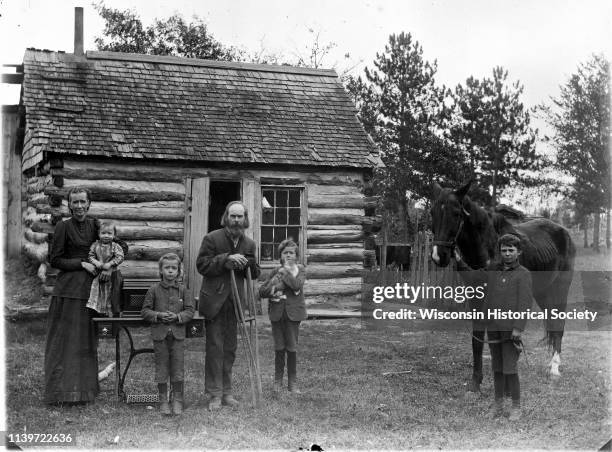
<point x="480" y="223"/>
<point x="537" y="236"/>
<point x="510" y="212"/>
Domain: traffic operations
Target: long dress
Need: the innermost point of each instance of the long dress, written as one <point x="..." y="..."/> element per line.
<point x="71" y="358"/>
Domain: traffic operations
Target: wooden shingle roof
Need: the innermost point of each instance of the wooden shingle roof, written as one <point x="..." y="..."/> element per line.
<point x="151" y="107"/>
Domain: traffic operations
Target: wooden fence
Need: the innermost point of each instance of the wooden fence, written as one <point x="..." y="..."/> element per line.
<point x="422" y="270"/>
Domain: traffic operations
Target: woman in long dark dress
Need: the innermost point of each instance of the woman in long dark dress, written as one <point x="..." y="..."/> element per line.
<point x="71" y="358"/>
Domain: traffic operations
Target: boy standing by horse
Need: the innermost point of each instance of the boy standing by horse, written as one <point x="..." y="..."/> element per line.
<point x="508" y="289"/>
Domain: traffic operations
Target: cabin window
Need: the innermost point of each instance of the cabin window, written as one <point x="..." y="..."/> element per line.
<point x="281" y="218"/>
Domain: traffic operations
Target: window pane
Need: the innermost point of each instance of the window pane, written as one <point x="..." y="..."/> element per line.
<point x="280" y="219"/>
<point x="267" y="216"/>
<point x="294" y="198"/>
<point x="266" y="235"/>
<point x="280" y="234"/>
<point x="294" y="216"/>
<point x="265" y="203"/>
<point x="294" y="233"/>
<point x="281" y="198"/>
<point x="266" y="251"/>
<point x="269" y="195"/>
<point x="281" y="216"/>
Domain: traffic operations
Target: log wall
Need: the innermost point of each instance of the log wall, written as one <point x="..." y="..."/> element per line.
<point x="334" y="240"/>
<point x="148" y="205"/>
<point x="148" y="214"/>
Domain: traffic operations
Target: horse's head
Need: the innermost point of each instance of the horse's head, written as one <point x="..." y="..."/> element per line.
<point x="448" y="214"/>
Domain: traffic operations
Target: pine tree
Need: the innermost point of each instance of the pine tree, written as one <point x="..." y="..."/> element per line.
<point x="409" y="121"/>
<point x="580" y="118"/>
<point x="492" y="129"/>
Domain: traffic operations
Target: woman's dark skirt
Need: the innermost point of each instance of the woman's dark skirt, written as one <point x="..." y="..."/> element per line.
<point x="71" y="356"/>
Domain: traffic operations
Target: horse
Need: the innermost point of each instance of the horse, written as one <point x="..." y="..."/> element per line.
<point x="547" y="251"/>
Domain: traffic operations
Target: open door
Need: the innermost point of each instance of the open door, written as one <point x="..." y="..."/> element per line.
<point x="207" y="200"/>
<point x="196" y="227"/>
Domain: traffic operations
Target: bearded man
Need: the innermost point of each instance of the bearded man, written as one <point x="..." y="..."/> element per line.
<point x="222" y="251"/>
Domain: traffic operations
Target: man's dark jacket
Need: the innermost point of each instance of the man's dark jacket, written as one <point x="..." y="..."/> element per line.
<point x="216" y="286"/>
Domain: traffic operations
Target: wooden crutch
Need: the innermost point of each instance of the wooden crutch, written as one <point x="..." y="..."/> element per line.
<point x="252" y="310"/>
<point x="253" y="370"/>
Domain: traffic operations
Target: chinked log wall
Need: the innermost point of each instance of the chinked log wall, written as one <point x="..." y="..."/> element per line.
<point x="146" y="202"/>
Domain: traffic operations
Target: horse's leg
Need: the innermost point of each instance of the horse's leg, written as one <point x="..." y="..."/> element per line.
<point x="546" y="301"/>
<point x="555" y="339"/>
<point x="556" y="299"/>
<point x="560" y="291"/>
<point x="478" y="336"/>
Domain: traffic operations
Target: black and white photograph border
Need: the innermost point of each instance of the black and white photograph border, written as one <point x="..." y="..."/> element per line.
<point x="376" y="147"/>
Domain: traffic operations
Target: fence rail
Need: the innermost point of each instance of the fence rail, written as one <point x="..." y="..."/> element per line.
<point x="422" y="270"/>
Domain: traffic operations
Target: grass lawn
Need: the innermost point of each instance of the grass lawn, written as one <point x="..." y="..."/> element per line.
<point x="346" y="402"/>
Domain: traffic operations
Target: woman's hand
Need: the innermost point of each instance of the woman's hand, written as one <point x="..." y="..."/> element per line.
<point x="105" y="275"/>
<point x="91" y="268"/>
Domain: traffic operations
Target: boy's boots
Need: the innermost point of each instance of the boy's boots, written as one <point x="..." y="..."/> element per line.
<point x="515" y="411"/>
<point x="279" y="369"/>
<point x="292" y="372"/>
<point x="177" y="397"/>
<point x="515" y="388"/>
<point x="497" y="408"/>
<point x="164" y="406"/>
<point x="499" y="384"/>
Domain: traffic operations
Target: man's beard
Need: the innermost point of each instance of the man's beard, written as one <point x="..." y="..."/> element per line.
<point x="236" y="229"/>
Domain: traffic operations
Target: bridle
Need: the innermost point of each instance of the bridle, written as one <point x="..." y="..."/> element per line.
<point x="451" y="244"/>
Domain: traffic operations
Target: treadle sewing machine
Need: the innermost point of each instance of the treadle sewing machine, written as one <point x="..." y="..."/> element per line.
<point x="132" y="295"/>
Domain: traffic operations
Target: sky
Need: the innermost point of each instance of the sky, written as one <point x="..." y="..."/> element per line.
<point x="540" y="42"/>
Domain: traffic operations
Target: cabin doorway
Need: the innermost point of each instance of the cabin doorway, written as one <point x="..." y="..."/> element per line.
<point x="221" y="193"/>
<point x="208" y="199"/>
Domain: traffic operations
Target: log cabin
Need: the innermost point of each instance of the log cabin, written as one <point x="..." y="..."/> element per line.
<point x="164" y="143"/>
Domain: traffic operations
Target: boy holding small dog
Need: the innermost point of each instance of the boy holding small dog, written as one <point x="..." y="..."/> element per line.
<point x="285" y="289"/>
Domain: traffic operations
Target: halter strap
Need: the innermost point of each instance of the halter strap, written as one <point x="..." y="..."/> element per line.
<point x="452" y="243"/>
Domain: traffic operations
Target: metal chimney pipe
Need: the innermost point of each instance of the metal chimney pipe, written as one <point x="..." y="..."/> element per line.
<point x="78" y="31"/>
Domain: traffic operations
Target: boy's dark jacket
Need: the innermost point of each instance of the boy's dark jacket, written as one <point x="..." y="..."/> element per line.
<point x="173" y="297"/>
<point x="216" y="287"/>
<point x="508" y="289"/>
<point x="294" y="304"/>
